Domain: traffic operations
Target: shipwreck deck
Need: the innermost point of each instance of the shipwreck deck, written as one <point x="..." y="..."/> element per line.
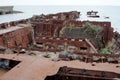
<point x="37" y="68"/>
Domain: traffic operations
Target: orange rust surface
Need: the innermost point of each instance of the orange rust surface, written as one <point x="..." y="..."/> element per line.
<point x="15" y="36"/>
<point x="36" y="68"/>
<point x="48" y="28"/>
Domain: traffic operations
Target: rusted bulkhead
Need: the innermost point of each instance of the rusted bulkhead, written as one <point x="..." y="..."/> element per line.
<point x="15" y="36"/>
<point x="53" y="29"/>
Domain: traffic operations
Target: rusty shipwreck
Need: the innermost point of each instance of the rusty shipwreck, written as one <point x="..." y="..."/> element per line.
<point x="59" y="47"/>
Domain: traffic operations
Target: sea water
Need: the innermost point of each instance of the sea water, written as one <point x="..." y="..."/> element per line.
<point x="112" y="12"/>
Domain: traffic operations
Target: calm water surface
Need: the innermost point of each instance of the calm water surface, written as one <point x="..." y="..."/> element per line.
<point x="110" y="11"/>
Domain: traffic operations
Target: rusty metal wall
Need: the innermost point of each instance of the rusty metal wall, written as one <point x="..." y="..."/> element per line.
<point x="16" y="38"/>
<point x="48" y="29"/>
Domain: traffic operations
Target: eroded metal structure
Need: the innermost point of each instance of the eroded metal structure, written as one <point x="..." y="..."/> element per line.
<point x="45" y="33"/>
<point x="14" y="36"/>
<point x="68" y="73"/>
<point x="30" y="68"/>
<point x="50" y="27"/>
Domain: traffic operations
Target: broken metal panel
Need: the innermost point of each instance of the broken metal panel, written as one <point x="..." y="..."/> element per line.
<point x="16" y="37"/>
<point x="86" y="74"/>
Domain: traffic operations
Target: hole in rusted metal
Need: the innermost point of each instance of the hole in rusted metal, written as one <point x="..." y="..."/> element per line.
<point x="6" y="65"/>
<point x="83" y="48"/>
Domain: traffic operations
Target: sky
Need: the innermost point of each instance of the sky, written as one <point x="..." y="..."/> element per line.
<point x="60" y="2"/>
